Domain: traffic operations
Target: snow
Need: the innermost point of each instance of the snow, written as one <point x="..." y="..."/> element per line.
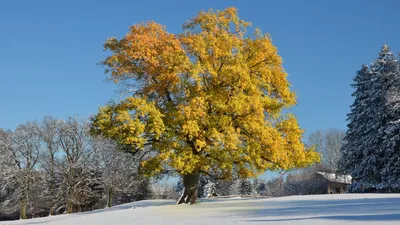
<point x="313" y="209"/>
<point x="343" y="179"/>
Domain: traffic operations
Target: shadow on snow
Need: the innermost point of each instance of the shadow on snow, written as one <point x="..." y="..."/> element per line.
<point x="374" y="209"/>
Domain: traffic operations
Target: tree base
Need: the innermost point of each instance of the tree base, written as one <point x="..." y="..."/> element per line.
<point x="190" y="183"/>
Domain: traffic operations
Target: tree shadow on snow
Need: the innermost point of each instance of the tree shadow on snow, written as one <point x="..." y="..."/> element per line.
<point x="376" y="209"/>
<point x="132" y="205"/>
<point x="383" y="217"/>
<point x="127" y="206"/>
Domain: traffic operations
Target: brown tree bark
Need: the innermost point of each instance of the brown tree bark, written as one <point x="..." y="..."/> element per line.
<point x="23" y="209"/>
<point x="52" y="184"/>
<point x="110" y="196"/>
<point x="190" y="184"/>
<point x="70" y="204"/>
<point x="70" y="207"/>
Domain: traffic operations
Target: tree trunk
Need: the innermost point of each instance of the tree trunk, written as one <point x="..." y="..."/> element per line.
<point x="52" y="185"/>
<point x="71" y="192"/>
<point x="22" y="211"/>
<point x="190" y="184"/>
<point x="70" y="207"/>
<point x="110" y="196"/>
<point x="70" y="204"/>
<point x="51" y="213"/>
<point x="24" y="202"/>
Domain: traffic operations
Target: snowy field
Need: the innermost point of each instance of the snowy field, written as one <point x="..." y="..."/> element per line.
<point x="317" y="209"/>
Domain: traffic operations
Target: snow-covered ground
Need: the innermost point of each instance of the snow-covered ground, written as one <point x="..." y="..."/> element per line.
<point x="315" y="209"/>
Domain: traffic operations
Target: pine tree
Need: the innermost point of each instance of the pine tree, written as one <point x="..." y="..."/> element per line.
<point x="372" y="164"/>
<point x="203" y="181"/>
<point x="366" y="153"/>
<point x="245" y="187"/>
<point x="391" y="170"/>
<point x="210" y="189"/>
<point x="351" y="151"/>
<point x="224" y="187"/>
<point x="260" y="187"/>
<point x="234" y="188"/>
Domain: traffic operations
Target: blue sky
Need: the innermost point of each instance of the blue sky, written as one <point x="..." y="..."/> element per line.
<point x="49" y="50"/>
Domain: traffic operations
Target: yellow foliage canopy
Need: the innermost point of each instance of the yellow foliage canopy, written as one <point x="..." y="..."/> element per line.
<point x="207" y="100"/>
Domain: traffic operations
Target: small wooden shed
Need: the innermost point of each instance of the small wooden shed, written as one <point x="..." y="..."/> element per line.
<point x="337" y="184"/>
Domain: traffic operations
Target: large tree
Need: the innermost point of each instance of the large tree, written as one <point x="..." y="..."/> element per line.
<point x="352" y="149"/>
<point x="80" y="169"/>
<point x="208" y="100"/>
<point x="374" y="151"/>
<point x="389" y="68"/>
<point x="19" y="157"/>
<point x="119" y="169"/>
<point x="369" y="152"/>
<point x="50" y="146"/>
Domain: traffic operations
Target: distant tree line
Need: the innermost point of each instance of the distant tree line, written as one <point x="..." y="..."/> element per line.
<point x="257" y="187"/>
<point x="55" y="166"/>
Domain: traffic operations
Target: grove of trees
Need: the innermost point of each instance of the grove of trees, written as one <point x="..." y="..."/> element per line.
<point x="54" y="166"/>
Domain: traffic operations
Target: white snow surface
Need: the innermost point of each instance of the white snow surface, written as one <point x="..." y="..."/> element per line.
<point x="313" y="209"/>
<point x="344" y="179"/>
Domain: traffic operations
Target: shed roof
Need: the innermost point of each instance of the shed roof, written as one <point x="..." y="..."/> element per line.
<point x="332" y="177"/>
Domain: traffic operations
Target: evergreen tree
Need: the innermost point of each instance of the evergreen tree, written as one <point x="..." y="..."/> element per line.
<point x="366" y="151"/>
<point x="245" y="187"/>
<point x="210" y="190"/>
<point x="351" y="151"/>
<point x="224" y="187"/>
<point x="179" y="186"/>
<point x="373" y="150"/>
<point x="260" y="187"/>
<point x="234" y="188"/>
<point x="391" y="170"/>
<point x="203" y="181"/>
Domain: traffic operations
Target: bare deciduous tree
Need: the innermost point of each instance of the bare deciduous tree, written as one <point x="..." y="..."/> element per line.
<point x="79" y="166"/>
<point x="118" y="168"/>
<point x="50" y="146"/>
<point x="55" y="166"/>
<point x="328" y="143"/>
<point x="20" y="176"/>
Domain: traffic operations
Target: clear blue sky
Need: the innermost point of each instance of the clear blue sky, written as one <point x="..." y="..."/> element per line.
<point x="49" y="50"/>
